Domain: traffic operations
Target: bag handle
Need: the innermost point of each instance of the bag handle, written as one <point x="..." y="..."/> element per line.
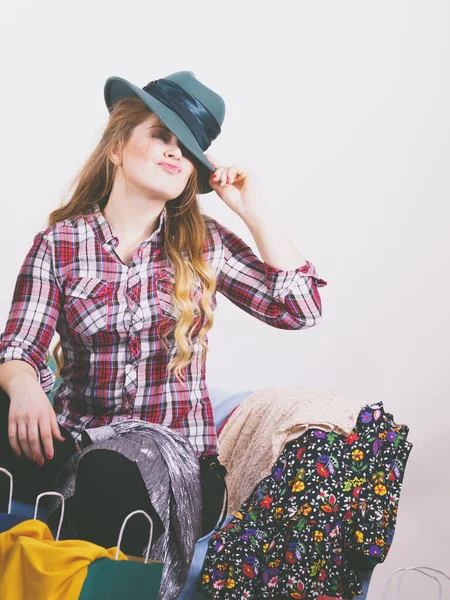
<point x="213" y="462"/>
<point x="224" y="512"/>
<point x="2" y="470"/>
<point x="420" y="570"/>
<point x="10" y="488"/>
<point x="61" y="518"/>
<point x="123" y="528"/>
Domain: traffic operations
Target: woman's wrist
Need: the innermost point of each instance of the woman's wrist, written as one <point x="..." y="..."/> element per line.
<point x="18" y="381"/>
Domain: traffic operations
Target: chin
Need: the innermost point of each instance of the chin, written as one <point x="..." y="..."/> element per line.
<point x="168" y="194"/>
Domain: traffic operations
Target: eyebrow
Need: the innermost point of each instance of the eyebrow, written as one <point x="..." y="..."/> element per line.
<point x="167" y="129"/>
<point x="161" y="127"/>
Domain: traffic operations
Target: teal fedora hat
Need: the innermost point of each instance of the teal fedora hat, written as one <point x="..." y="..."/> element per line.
<point x="191" y="110"/>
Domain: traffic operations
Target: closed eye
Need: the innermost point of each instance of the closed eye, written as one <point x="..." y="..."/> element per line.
<point x="162" y="135"/>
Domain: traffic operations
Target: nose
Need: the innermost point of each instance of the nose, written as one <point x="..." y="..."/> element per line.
<point x="175" y="152"/>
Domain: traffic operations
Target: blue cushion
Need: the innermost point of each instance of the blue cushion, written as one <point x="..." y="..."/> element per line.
<point x="191" y="588"/>
<point x="223" y="403"/>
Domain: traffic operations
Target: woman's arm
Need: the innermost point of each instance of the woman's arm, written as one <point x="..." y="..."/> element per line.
<point x="280" y="290"/>
<point x="12" y="371"/>
<point x="28" y="334"/>
<point x="274" y="246"/>
<point x="285" y="299"/>
<point x="34" y="312"/>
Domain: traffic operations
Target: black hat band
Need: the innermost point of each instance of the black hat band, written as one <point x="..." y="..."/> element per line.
<point x="197" y="117"/>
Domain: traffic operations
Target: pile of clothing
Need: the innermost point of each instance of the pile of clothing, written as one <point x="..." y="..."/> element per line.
<point x="325" y="507"/>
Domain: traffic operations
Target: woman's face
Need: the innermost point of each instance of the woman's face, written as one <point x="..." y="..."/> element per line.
<point x="150" y="144"/>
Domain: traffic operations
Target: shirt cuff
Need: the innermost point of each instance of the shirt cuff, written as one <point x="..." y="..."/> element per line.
<point x="280" y="282"/>
<point x="44" y="374"/>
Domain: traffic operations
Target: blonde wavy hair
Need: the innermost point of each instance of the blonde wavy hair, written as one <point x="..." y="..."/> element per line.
<point x="185" y="231"/>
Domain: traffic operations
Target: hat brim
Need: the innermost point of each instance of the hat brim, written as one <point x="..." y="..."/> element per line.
<point x="117" y="88"/>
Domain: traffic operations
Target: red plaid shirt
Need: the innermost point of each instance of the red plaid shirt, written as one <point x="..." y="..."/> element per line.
<point x="106" y="314"/>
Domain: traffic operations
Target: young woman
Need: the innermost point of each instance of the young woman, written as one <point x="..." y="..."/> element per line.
<point x="127" y="272"/>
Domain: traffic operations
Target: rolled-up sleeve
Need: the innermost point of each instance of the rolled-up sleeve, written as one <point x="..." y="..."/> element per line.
<point x="283" y="299"/>
<point x="34" y="312"/>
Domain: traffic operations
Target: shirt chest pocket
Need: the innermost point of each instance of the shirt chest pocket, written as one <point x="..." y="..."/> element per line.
<point x="165" y="284"/>
<point x="87" y="304"/>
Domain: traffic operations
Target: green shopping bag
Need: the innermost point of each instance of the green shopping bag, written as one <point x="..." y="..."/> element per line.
<point x="133" y="579"/>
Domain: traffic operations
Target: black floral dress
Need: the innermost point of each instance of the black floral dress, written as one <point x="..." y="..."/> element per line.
<point x="327" y="509"/>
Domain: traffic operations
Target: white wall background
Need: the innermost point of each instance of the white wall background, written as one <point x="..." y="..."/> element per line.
<point x="342" y="111"/>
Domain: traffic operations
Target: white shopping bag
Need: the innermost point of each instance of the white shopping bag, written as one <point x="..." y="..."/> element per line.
<point x="403" y="571"/>
<point x="9" y="520"/>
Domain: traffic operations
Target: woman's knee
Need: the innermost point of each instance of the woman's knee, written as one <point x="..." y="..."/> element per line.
<point x="108" y="488"/>
<point x="103" y="466"/>
<point x="104" y="476"/>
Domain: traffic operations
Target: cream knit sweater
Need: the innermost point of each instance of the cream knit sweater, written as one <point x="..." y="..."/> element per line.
<point x="259" y="429"/>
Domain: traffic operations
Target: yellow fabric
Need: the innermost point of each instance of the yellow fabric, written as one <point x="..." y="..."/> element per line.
<point x="34" y="566"/>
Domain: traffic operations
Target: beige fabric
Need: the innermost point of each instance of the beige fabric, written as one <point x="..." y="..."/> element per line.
<point x="259" y="429"/>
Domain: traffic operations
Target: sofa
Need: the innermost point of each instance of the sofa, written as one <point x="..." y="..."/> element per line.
<point x="223" y="402"/>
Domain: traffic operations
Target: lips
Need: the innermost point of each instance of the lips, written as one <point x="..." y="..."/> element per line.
<point x="169" y="167"/>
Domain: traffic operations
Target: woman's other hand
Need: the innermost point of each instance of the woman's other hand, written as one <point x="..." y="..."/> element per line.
<point x="32" y="420"/>
<point x="237" y="187"/>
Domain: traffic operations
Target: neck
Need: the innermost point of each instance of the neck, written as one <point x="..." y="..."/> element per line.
<point x="132" y="219"/>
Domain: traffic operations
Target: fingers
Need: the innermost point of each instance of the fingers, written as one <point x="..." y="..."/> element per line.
<point x="55" y="427"/>
<point x="232" y="173"/>
<point x="35" y="442"/>
<point x="220" y="176"/>
<point x="228" y="175"/>
<point x="23" y="439"/>
<point x="26" y="436"/>
<point x="12" y="436"/>
<point x="216" y="176"/>
<point x="46" y="437"/>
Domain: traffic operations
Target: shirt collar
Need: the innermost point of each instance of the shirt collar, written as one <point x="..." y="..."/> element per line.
<point x="104" y="233"/>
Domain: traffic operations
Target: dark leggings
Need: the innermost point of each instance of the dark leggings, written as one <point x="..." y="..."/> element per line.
<point x="99" y="505"/>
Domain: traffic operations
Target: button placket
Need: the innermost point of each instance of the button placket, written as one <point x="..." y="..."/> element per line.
<point x="134" y="344"/>
<point x="129" y="392"/>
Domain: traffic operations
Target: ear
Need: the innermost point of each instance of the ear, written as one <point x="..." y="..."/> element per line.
<point x="115" y="155"/>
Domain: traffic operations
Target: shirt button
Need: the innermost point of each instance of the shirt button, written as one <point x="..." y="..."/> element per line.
<point x="128" y="369"/>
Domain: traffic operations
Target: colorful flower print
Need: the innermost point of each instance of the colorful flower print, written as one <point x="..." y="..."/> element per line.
<point x="327" y="499"/>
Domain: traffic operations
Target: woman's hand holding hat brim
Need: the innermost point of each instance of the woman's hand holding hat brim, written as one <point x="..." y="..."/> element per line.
<point x="236" y="186"/>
